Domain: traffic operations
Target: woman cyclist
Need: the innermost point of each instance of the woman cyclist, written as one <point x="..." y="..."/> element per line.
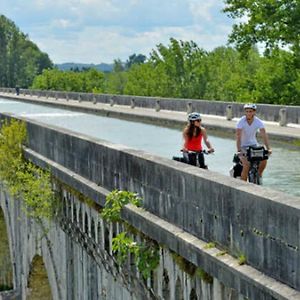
<point x="193" y="134"/>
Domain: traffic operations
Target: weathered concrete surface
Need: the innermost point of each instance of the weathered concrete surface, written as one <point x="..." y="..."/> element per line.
<point x="77" y="252"/>
<point x="213" y="118"/>
<point x="267" y="112"/>
<point x="243" y="279"/>
<point x="260" y="223"/>
<point x="73" y="272"/>
<point x="6" y="276"/>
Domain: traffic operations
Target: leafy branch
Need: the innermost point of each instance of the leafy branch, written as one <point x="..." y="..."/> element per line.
<point x="146" y="256"/>
<point x="114" y="203"/>
<point x="23" y="179"/>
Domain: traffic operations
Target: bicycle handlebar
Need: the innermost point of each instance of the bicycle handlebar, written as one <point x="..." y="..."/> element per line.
<point x="195" y="152"/>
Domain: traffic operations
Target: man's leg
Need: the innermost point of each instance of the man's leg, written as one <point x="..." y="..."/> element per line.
<point x="262" y="166"/>
<point x="246" y="166"/>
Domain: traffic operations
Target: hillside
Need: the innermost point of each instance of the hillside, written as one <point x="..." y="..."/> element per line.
<point x="79" y="66"/>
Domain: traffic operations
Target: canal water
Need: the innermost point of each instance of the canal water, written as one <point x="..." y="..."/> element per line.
<point x="282" y="173"/>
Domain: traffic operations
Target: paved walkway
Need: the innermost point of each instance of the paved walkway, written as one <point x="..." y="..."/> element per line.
<point x="291" y="132"/>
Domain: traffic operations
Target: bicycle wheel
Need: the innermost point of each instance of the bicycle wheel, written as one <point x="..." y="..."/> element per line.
<point x="254" y="177"/>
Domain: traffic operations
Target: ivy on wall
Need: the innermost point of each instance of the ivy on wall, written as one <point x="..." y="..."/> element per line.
<point x="146" y="254"/>
<point x="115" y="200"/>
<point x="23" y="179"/>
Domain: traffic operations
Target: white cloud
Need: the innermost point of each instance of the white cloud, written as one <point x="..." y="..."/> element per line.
<point x="103" y="30"/>
<point x="61" y="23"/>
<point x="203" y="10"/>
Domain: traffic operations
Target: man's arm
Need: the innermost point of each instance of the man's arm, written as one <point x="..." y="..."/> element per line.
<point x="265" y="138"/>
<point x="238" y="139"/>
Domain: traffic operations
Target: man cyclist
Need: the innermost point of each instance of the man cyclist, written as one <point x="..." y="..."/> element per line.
<point x="246" y="130"/>
<point x="193" y="134"/>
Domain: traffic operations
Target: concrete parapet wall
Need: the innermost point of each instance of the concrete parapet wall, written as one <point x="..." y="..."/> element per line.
<point x="268" y="112"/>
<point x="261" y="224"/>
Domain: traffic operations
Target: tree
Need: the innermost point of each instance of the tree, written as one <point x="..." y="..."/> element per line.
<point x="135" y="59"/>
<point x="21" y="60"/>
<point x="277" y="80"/>
<point x="273" y="22"/>
<point x="230" y="75"/>
<point x="147" y="80"/>
<point x="183" y="65"/>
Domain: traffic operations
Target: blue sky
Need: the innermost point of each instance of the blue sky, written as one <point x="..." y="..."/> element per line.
<point x="95" y="31"/>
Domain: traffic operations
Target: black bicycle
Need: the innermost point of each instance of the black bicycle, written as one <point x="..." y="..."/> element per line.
<point x="254" y="155"/>
<point x="194" y="158"/>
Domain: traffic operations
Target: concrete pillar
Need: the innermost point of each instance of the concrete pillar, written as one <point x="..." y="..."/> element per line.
<point x="282" y="117"/>
<point x="229" y="113"/>
<point x="132" y="103"/>
<point x="157" y="105"/>
<point x="189" y="107"/>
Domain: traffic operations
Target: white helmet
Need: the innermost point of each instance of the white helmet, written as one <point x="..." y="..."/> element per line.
<point x="250" y="105"/>
<point x="194" y="116"/>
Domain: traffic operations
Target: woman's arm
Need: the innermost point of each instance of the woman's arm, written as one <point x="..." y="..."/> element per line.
<point x="206" y="141"/>
<point x="185" y="139"/>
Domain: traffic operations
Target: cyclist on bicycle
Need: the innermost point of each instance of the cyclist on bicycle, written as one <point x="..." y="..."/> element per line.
<point x="246" y="130"/>
<point x="193" y="134"/>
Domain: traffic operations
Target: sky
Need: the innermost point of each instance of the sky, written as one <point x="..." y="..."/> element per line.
<point x="100" y="31"/>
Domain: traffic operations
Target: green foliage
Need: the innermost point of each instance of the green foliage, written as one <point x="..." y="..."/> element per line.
<point x="24" y="180"/>
<point x="135" y="59"/>
<point x="34" y="187"/>
<point x="184" y="264"/>
<point x="230" y="75"/>
<point x="12" y="136"/>
<point x="204" y="276"/>
<point x="210" y="245"/>
<point x="146" y="256"/>
<point x="86" y="81"/>
<point x="242" y="259"/>
<point x="182" y="64"/>
<point x="276" y="79"/>
<point x="275" y="23"/>
<point x="183" y="70"/>
<point x="114" y="203"/>
<point x="115" y="82"/>
<point x="147" y="259"/>
<point x="21" y="60"/>
<point x="123" y="246"/>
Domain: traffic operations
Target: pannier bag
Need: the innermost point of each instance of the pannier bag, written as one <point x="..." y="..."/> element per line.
<point x="257" y="153"/>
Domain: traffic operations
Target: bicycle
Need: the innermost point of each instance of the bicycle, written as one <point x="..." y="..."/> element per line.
<point x="254" y="155"/>
<point x="194" y="158"/>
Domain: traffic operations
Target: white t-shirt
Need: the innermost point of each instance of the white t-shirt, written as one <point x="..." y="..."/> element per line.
<point x="248" y="137"/>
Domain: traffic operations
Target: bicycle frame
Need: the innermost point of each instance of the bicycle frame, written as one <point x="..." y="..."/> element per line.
<point x="194" y="158"/>
<point x="253" y="175"/>
<point x="255" y="155"/>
